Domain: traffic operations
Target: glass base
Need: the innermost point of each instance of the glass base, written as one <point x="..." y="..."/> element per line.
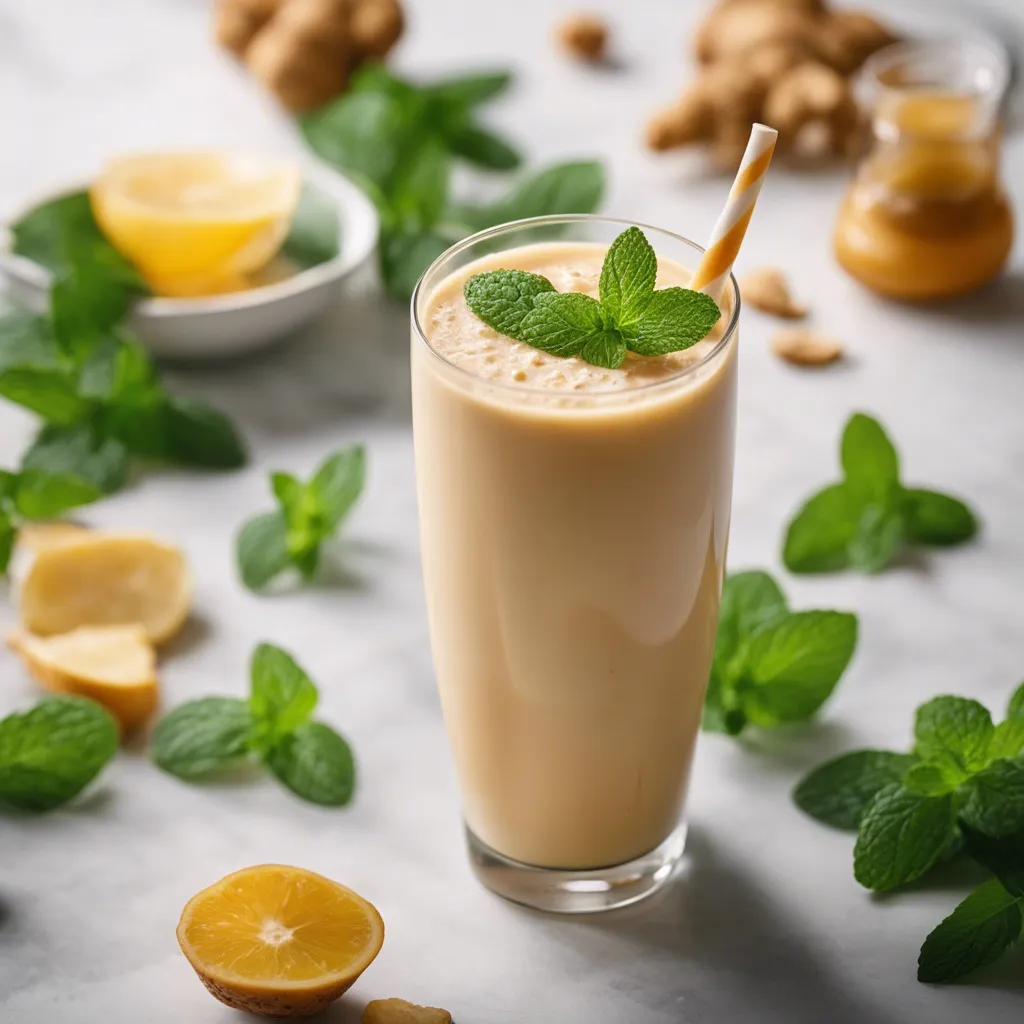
<point x="576" y="892"/>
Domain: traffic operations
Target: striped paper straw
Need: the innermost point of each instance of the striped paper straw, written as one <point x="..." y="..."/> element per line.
<point x="726" y="239"/>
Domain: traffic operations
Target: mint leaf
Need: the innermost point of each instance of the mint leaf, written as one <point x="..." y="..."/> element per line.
<point x="901" y="835"/>
<point x="200" y="435"/>
<point x="202" y="737"/>
<point x="481" y="147"/>
<point x="939" y="519"/>
<point x="7" y="536"/>
<point x="85" y="303"/>
<point x="1003" y="856"/>
<point x="314" y="236"/>
<point x="315" y="763"/>
<point x="564" y="188"/>
<point x="470" y="90"/>
<point x="675" y="319"/>
<point x="51" y="752"/>
<point x="793" y="665"/>
<point x="50" y="394"/>
<point x="337" y="484"/>
<point x="995" y="798"/>
<point x="1015" y="707"/>
<point x="27" y="340"/>
<point x="606" y="349"/>
<point x="627" y="279"/>
<point x="869" y="459"/>
<point x="563" y="324"/>
<point x="403" y="255"/>
<point x="43" y="495"/>
<point x="840" y="791"/>
<point x="930" y="779"/>
<point x="819" y="537"/>
<point x="1007" y="739"/>
<point x="262" y="551"/>
<point x="877" y="538"/>
<point x="977" y="933"/>
<point x="283" y="696"/>
<point x="749" y="600"/>
<point x="504" y="298"/>
<point x="955" y="732"/>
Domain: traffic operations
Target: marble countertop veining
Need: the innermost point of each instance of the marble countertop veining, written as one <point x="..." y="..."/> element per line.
<point x="767" y="924"/>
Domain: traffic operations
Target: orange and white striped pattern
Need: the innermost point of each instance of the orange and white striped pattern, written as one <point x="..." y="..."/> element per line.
<point x="713" y="270"/>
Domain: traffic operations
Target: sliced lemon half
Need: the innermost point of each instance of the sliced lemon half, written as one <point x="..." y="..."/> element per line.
<point x="196" y="223"/>
<point x="279" y="941"/>
<point x="112" y="665"/>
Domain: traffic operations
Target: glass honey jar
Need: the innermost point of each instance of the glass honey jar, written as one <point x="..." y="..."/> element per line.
<point x="926" y="217"/>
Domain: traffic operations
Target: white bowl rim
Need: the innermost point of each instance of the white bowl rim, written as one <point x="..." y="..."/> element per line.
<point x="347" y="197"/>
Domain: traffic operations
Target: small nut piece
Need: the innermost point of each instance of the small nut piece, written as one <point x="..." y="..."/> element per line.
<point x="804" y="347"/>
<point x="768" y="290"/>
<point x="584" y="36"/>
<point x="398" y="1011"/>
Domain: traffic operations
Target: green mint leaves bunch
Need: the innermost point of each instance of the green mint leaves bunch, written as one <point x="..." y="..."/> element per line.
<point x="864" y="521"/>
<point x="274" y="725"/>
<point x="772" y="666"/>
<point x="401" y="141"/>
<point x="962" y="786"/>
<point x="308" y="514"/>
<point x="630" y="316"/>
<point x="37" y="494"/>
<point x="95" y="388"/>
<point x="51" y="752"/>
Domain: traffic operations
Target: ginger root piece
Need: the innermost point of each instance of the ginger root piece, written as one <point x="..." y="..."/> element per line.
<point x="766" y="289"/>
<point x="236" y="22"/>
<point x="398" y="1011"/>
<point x="813" y="95"/>
<point x="375" y="27"/>
<point x="106" y="579"/>
<point x="784" y="62"/>
<point x="305" y="51"/>
<point x="112" y="665"/>
<point x="584" y="36"/>
<point x="804" y="347"/>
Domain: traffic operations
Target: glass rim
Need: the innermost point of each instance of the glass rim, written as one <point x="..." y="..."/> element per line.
<point x="553" y="220"/>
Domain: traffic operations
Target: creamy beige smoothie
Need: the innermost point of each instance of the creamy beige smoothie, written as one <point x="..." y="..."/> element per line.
<point x="574" y="524"/>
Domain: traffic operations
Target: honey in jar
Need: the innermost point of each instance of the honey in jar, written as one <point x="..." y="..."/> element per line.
<point x="926" y="217"/>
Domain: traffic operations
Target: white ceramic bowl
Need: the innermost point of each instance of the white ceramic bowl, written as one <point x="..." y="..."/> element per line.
<point x="223" y="325"/>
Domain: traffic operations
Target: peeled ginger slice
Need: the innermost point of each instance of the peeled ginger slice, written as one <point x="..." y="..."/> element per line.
<point x="112" y="665"/>
<point x="106" y="579"/>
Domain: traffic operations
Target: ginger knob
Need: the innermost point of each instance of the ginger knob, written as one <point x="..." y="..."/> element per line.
<point x="375" y="27"/>
<point x="236" y="22"/>
<point x="584" y="36"/>
<point x="813" y="108"/>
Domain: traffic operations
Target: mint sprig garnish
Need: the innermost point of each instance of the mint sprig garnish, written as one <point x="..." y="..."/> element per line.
<point x="274" y="726"/>
<point x="95" y="388"/>
<point x="308" y="514"/>
<point x="961" y="789"/>
<point x="772" y="665"/>
<point x="866" y="519"/>
<point x="630" y="315"/>
<point x="51" y="752"/>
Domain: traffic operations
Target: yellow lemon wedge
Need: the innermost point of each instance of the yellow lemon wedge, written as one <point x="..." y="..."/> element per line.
<point x="196" y="223"/>
<point x="106" y="579"/>
<point x="112" y="665"/>
<point x="279" y="941"/>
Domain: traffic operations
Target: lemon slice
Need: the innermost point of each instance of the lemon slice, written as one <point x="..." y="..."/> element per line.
<point x="106" y="579"/>
<point x="279" y="940"/>
<point x="112" y="665"/>
<point x="196" y="222"/>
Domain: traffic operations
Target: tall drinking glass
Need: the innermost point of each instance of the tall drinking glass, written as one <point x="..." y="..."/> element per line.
<point x="574" y="523"/>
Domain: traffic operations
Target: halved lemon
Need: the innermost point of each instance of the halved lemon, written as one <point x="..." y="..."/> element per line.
<point x="106" y="579"/>
<point x="196" y="223"/>
<point x="279" y="940"/>
<point x="112" y="665"/>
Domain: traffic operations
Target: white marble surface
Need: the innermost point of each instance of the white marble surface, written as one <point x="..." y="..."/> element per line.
<point x="767" y="924"/>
